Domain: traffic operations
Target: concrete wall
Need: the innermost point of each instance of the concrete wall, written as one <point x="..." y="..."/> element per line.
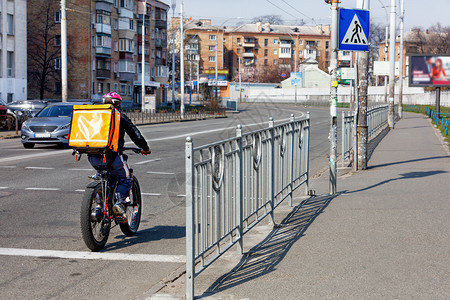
<point x="376" y="94"/>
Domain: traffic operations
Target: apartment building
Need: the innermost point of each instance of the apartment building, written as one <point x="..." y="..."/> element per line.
<point x="13" y="50"/>
<point x="104" y="48"/>
<point x="260" y="47"/>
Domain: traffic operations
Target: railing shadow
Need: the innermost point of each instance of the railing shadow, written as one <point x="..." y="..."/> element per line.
<point x="263" y="258"/>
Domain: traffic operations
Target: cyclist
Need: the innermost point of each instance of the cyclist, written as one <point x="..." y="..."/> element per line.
<point x="117" y="161"/>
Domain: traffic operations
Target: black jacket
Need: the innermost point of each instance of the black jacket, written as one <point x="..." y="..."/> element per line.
<point x="127" y="126"/>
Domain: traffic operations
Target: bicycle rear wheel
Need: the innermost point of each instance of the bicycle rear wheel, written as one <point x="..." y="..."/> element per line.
<point x="94" y="229"/>
<point x="133" y="211"/>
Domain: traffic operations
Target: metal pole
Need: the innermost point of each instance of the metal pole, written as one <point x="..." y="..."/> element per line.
<point x="190" y="244"/>
<point x="438" y="102"/>
<point x="198" y="78"/>
<point x="355" y="118"/>
<point x="392" y="66"/>
<point x="190" y="81"/>
<point x="173" y="57"/>
<point x="240" y="82"/>
<point x="182" y="61"/>
<point x="333" y="97"/>
<point x="217" y="46"/>
<point x="361" y="128"/>
<point x="63" y="51"/>
<point x="400" y="92"/>
<point x="295" y="67"/>
<point x="386" y="55"/>
<point x="143" y="64"/>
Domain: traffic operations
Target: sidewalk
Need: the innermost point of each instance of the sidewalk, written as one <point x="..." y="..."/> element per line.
<point x="385" y="235"/>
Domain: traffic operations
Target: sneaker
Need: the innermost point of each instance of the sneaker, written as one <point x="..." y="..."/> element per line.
<point x="119" y="211"/>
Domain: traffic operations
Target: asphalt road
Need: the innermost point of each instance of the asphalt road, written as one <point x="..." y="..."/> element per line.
<point x="41" y="250"/>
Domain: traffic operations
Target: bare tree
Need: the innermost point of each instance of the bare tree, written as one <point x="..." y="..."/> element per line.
<point x="272" y="19"/>
<point x="434" y="40"/>
<point x="42" y="49"/>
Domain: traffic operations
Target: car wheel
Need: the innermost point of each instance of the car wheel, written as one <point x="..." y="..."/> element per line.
<point x="28" y="145"/>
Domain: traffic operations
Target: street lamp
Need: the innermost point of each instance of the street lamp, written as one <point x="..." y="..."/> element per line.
<point x="385" y="48"/>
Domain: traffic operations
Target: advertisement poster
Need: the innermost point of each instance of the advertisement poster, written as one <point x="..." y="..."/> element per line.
<point x="429" y="70"/>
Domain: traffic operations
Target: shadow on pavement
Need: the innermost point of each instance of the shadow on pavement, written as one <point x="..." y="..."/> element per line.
<point x="406" y="161"/>
<point x="263" y="258"/>
<point x="147" y="235"/>
<point x="410" y="175"/>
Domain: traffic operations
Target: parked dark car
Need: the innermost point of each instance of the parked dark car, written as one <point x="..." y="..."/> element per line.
<point x="3" y="115"/>
<point x="51" y="125"/>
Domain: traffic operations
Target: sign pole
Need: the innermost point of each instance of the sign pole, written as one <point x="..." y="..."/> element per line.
<point x="392" y="67"/>
<point x="333" y="97"/>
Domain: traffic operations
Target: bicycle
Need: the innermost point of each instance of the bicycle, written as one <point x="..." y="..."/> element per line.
<point x="97" y="214"/>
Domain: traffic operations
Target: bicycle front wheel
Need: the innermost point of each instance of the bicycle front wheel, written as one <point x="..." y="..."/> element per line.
<point x="94" y="229"/>
<point x="133" y="211"/>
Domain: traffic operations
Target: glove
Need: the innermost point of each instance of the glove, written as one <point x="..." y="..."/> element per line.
<point x="143" y="152"/>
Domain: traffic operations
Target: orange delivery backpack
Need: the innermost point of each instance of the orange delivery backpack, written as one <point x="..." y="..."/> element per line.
<point x="94" y="129"/>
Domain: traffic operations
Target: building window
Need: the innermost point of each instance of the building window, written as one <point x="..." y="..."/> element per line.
<point x="9" y="97"/>
<point x="318" y="43"/>
<point x="125" y="45"/>
<point x="265" y="62"/>
<point x="238" y="40"/>
<point x="115" y="3"/>
<point x="212" y="37"/>
<point x="129" y="90"/>
<point x="265" y="52"/>
<point x="103" y="17"/>
<point x="108" y="87"/>
<point x="310" y="43"/>
<point x="275" y="41"/>
<point x="10" y="24"/>
<point x="327" y="44"/>
<point x="116" y="87"/>
<point x="116" y="46"/>
<point x="123" y="89"/>
<point x="318" y="53"/>
<point x="274" y="61"/>
<point x="57" y="16"/>
<point x="300" y="42"/>
<point x="266" y="42"/>
<point x="256" y="50"/>
<point x="212" y="58"/>
<point x="99" y="87"/>
<point x="10" y="64"/>
<point x="300" y="52"/>
<point x="57" y="40"/>
<point x="131" y="24"/>
<point x="212" y="48"/>
<point x="326" y="54"/>
<point x="238" y="50"/>
<point x="103" y="41"/>
<point x="58" y="63"/>
<point x="275" y="51"/>
<point x="116" y="24"/>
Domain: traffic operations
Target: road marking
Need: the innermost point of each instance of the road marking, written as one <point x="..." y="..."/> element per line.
<point x="161" y="173"/>
<point x="181" y="195"/>
<point x="39" y="168"/>
<point x="81" y="169"/>
<point x="93" y="255"/>
<point x="150" y="194"/>
<point x="3" y="187"/>
<point x="22" y="157"/>
<point x="81" y="191"/>
<point x="7" y="167"/>
<point x="146" y="161"/>
<point x="42" y="189"/>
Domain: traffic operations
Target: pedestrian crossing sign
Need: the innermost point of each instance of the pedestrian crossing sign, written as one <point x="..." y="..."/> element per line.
<point x="354" y="29"/>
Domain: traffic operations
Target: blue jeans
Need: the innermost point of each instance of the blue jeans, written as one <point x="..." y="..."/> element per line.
<point x="119" y="169"/>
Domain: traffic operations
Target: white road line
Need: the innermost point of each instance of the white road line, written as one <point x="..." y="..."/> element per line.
<point x="42" y="189"/>
<point x="146" y="161"/>
<point x="7" y="167"/>
<point x="39" y="168"/>
<point x="161" y="173"/>
<point x="93" y="255"/>
<point x="81" y="169"/>
<point x="181" y="195"/>
<point x="82" y="191"/>
<point x="150" y="194"/>
<point x="22" y="157"/>
<point x="3" y="187"/>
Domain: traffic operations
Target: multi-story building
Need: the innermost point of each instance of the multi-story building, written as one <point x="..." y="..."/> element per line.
<point x="261" y="47"/>
<point x="104" y="48"/>
<point x="13" y="50"/>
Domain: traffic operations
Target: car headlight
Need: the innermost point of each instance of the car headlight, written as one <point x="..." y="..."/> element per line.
<point x="25" y="126"/>
<point x="64" y="126"/>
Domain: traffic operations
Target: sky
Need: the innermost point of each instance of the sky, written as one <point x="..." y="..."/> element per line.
<point x="423" y="13"/>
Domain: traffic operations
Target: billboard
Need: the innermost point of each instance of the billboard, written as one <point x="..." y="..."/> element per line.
<point x="429" y="70"/>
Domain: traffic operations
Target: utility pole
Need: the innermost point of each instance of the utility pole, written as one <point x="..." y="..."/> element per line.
<point x="391" y="67"/>
<point x="174" y="5"/>
<point x="217" y="58"/>
<point x="333" y="96"/>
<point x="182" y="61"/>
<point x="362" y="134"/>
<point x="143" y="63"/>
<point x="63" y="51"/>
<point x="400" y="92"/>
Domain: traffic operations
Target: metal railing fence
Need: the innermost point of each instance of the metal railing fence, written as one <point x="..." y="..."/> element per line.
<point x="231" y="185"/>
<point x="376" y="120"/>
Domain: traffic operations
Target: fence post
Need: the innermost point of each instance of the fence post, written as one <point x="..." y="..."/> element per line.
<point x="308" y="116"/>
<point x="272" y="170"/>
<point x="292" y="120"/>
<point x="343" y="140"/>
<point x="190" y="255"/>
<point x="239" y="188"/>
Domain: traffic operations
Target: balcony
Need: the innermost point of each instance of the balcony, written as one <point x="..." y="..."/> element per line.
<point x="124" y="76"/>
<point x="107" y="1"/>
<point x="103" y="28"/>
<point x="103" y="50"/>
<point x="160" y="43"/>
<point x="125" y="13"/>
<point x="248" y="54"/>
<point x="285" y="44"/>
<point x="161" y="24"/>
<point x="103" y="74"/>
<point x="248" y="44"/>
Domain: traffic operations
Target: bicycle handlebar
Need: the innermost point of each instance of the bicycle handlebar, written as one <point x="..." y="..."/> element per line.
<point x="135" y="150"/>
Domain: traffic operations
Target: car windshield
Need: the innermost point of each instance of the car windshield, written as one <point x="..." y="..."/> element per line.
<point x="2" y="102"/>
<point x="56" y="111"/>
